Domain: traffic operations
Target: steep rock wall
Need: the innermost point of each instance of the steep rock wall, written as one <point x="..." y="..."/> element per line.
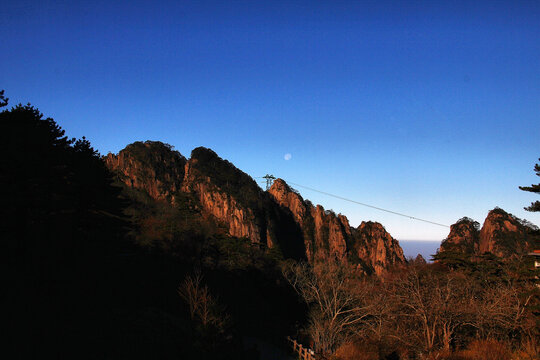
<point x="502" y="235"/>
<point x="223" y="193"/>
<point x="279" y="218"/>
<point x="150" y="166"/>
<point x="377" y="247"/>
<point x="327" y="235"/>
<point x="463" y="237"/>
<point x="240" y="221"/>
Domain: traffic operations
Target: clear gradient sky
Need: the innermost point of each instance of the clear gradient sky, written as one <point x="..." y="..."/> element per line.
<point x="422" y="107"/>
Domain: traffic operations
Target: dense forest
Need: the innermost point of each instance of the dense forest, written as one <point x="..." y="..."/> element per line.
<point x="100" y="269"/>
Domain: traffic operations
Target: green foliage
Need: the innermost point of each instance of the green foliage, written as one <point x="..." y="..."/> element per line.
<point x="181" y="231"/>
<point x="466" y="220"/>
<point x="535" y="188"/>
<point x="453" y="259"/>
<point x="77" y="289"/>
<point x="154" y="154"/>
<point x="487" y="268"/>
<point x="139" y="150"/>
<point x="3" y="100"/>
<point x="275" y="254"/>
<point x="62" y="224"/>
<point x="49" y="179"/>
<point x="157" y="225"/>
<point x="231" y="253"/>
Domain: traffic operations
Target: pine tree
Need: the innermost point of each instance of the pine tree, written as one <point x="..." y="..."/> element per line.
<point x="535" y="206"/>
<point x="3" y="99"/>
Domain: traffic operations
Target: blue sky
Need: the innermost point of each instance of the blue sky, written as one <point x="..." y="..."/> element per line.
<point x="426" y="108"/>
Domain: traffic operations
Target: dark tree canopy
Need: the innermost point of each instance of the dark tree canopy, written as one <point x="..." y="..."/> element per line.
<point x="61" y="223"/>
<point x="48" y="178"/>
<point x="78" y="288"/>
<point x="535" y="206"/>
<point x="3" y="99"/>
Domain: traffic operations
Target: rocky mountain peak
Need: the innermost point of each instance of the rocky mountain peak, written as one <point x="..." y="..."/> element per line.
<point x="151" y="166"/>
<point x="419" y="260"/>
<point x="204" y="154"/>
<point x="502" y="235"/>
<point x="232" y="199"/>
<point x="463" y="236"/>
<point x="329" y="235"/>
<point x="289" y="199"/>
<point x="385" y="249"/>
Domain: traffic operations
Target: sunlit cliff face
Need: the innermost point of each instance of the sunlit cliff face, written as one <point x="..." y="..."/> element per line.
<point x="463" y="237"/>
<point x="151" y="167"/>
<point x="222" y="206"/>
<point x="327" y="235"/>
<point x="501" y="235"/>
<point x="279" y="217"/>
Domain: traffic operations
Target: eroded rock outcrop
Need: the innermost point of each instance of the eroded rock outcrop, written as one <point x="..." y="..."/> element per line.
<point x="213" y="190"/>
<point x="463" y="237"/>
<point x="327" y="235"/>
<point x="289" y="199"/>
<point x="376" y="246"/>
<point x="152" y="166"/>
<point x="419" y="260"/>
<point x="279" y="219"/>
<point x="502" y="235"/>
<point x="219" y="191"/>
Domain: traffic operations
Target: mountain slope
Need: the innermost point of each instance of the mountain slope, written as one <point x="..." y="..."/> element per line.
<point x="224" y="200"/>
<point x="502" y="235"/>
<point x="327" y="235"/>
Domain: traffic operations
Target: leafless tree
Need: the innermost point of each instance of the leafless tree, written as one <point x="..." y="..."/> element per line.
<point x="421" y="308"/>
<point x="429" y="306"/>
<point x="503" y="311"/>
<point x="337" y="300"/>
<point x="379" y="325"/>
<point x="202" y="305"/>
<point x="437" y="308"/>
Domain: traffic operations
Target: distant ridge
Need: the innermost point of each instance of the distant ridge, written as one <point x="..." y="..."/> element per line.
<point x="502" y="235"/>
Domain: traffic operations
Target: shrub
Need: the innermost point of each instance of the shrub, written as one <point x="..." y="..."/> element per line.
<point x="445" y="355"/>
<point x="487" y="350"/>
<point x="356" y="351"/>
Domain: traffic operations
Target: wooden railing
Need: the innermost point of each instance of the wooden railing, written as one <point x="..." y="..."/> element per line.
<point x="303" y="353"/>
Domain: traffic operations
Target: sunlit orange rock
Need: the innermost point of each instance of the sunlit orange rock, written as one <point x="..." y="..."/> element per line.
<point x="502" y="235"/>
<point x="327" y="235"/>
<point x="278" y="218"/>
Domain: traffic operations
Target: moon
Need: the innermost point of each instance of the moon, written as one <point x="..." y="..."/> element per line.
<point x="287" y="156"/>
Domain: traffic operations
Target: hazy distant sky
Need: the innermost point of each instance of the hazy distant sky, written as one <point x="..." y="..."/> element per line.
<point x="422" y="107"/>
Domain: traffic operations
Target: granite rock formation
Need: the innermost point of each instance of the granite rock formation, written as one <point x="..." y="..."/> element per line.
<point x="277" y="219"/>
<point x="151" y="166"/>
<point x="327" y="235"/>
<point x="463" y="237"/>
<point x="502" y="235"/>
